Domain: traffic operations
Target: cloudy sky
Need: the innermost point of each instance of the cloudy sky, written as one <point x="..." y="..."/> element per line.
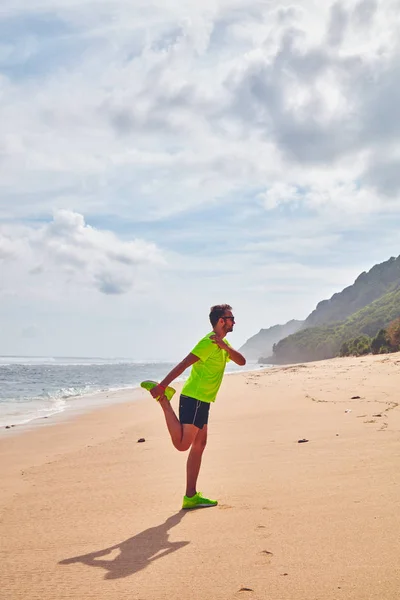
<point x="159" y="157"/>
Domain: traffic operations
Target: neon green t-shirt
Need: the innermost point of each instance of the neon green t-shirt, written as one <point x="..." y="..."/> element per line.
<point x="206" y="375"/>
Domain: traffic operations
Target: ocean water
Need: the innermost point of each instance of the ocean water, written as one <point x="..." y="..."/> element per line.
<point x="33" y="388"/>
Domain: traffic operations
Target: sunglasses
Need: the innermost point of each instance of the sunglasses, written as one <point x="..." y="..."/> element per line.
<point x="232" y="317"/>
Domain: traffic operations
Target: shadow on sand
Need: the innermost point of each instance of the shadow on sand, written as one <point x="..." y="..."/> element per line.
<point x="135" y="553"/>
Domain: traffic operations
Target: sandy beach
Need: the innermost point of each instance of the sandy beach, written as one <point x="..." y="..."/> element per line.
<point x="87" y="512"/>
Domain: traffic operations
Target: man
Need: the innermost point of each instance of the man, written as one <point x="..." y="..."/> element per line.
<point x="208" y="360"/>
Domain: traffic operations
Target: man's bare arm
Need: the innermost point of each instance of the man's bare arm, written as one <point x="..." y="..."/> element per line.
<point x="234" y="355"/>
<point x="187" y="362"/>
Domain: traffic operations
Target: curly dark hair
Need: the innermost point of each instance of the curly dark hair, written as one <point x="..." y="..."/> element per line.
<point x="218" y="311"/>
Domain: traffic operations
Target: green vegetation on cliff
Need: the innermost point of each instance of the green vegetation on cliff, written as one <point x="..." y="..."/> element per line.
<point x="367" y="287"/>
<point x="326" y="341"/>
<point x="386" y="340"/>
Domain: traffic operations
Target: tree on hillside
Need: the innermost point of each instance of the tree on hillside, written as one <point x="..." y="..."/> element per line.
<point x="393" y="334"/>
<point x="380" y="344"/>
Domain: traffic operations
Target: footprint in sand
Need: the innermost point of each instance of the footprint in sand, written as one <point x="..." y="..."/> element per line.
<point x="264" y="558"/>
<point x="262" y="533"/>
<point x="267" y="555"/>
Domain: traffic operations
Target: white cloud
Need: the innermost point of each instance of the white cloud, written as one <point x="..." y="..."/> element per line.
<point x="9" y="248"/>
<point x="183" y="101"/>
<point x="223" y="136"/>
<point x="86" y="256"/>
<point x="279" y="193"/>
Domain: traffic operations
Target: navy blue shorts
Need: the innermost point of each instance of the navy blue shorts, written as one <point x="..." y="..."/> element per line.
<point x="193" y="412"/>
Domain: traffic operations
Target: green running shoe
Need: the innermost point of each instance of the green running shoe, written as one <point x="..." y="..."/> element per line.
<point x="149" y="385"/>
<point x="197" y="501"/>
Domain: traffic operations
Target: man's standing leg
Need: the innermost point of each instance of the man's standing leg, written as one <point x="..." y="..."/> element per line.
<point x="194" y="461"/>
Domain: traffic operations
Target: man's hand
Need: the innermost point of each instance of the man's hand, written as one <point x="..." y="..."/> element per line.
<point x="158" y="391"/>
<point x="219" y="341"/>
<point x="234" y="355"/>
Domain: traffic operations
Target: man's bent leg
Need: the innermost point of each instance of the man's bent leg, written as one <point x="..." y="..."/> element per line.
<point x="194" y="461"/>
<point x="182" y="434"/>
